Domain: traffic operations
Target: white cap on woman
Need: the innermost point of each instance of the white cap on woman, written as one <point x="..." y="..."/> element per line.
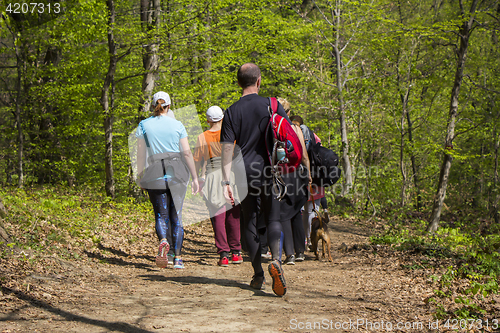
<point x="214" y="114"/>
<point x="161" y="95"/>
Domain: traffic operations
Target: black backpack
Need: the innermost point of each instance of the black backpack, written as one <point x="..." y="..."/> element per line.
<point x="324" y="166"/>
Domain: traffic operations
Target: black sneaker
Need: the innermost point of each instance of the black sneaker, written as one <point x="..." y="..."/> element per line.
<point x="290" y="260"/>
<point x="300" y="257"/>
<point x="276" y="272"/>
<point x="258" y="282"/>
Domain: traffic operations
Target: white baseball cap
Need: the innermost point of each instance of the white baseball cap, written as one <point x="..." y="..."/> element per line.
<point x="161" y="95"/>
<point x="214" y="114"/>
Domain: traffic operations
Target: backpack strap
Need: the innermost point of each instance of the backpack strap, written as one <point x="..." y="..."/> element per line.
<point x="273" y="104"/>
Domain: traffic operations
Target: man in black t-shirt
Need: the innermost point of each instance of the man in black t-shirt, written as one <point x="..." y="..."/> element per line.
<point x="245" y="124"/>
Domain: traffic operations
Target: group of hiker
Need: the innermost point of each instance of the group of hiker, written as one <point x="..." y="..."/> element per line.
<point x="255" y="203"/>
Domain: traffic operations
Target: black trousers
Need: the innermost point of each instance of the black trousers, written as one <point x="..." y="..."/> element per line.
<point x="260" y="199"/>
<point x="294" y="234"/>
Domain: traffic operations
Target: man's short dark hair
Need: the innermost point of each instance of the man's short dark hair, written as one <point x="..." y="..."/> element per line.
<point x="248" y="75"/>
<point x="297" y="119"/>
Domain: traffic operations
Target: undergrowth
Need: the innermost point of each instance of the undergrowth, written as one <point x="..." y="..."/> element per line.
<point x="475" y="253"/>
<point x="46" y="219"/>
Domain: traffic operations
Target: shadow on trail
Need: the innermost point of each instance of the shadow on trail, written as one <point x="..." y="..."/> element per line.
<point x="201" y="250"/>
<point x="192" y="237"/>
<point x="111" y="326"/>
<point x="119" y="261"/>
<point x="188" y="280"/>
<point x="122" y="253"/>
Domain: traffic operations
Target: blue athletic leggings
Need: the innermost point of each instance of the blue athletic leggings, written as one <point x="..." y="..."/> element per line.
<point x="167" y="207"/>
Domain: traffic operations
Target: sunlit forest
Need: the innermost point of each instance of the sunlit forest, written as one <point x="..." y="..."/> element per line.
<point x="407" y="93"/>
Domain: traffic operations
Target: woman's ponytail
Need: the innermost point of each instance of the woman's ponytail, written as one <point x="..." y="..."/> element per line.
<point x="158" y="107"/>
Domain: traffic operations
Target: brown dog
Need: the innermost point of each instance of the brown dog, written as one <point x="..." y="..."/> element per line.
<point x="319" y="231"/>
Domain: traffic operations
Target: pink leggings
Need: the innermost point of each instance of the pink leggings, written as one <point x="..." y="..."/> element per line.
<point x="226" y="226"/>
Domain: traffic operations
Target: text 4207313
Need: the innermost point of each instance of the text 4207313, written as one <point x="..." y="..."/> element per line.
<point x="33" y="8"/>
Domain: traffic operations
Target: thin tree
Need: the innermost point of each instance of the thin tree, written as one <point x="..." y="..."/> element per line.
<point x="4" y="236"/>
<point x="496" y="200"/>
<point x="108" y="99"/>
<point x="338" y="43"/>
<point x="150" y="22"/>
<point x="405" y="88"/>
<point x="341" y="79"/>
<point x="15" y="30"/>
<point x="464" y="35"/>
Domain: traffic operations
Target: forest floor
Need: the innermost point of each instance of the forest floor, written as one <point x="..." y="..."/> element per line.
<point x="116" y="287"/>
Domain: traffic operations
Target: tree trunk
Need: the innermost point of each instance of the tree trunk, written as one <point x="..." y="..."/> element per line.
<point x="464" y="35"/>
<point x="20" y="135"/>
<point x="3" y="211"/>
<point x="108" y="158"/>
<point x="16" y="33"/>
<point x="4" y="237"/>
<point x="494" y="209"/>
<point x="404" y="103"/>
<point x="107" y="102"/>
<point x="404" y="110"/>
<point x="413" y="162"/>
<point x="346" y="163"/>
<point x="150" y="21"/>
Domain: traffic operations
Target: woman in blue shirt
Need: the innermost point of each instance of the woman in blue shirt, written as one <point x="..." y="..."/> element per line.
<point x="164" y="162"/>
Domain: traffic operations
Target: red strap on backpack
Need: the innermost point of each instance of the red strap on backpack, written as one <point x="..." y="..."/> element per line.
<point x="273" y="102"/>
<point x="285" y="143"/>
<point x="285" y="152"/>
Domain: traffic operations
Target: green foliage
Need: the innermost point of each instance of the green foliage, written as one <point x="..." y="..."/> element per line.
<point x="475" y="260"/>
<point x="49" y="216"/>
<point x="388" y="50"/>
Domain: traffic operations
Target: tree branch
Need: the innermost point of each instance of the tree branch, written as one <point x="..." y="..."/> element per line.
<point x="480" y="86"/>
<point x="469" y="129"/>
<point x="320" y="80"/>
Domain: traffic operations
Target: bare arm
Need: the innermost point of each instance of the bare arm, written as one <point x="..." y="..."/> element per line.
<point x="188" y="157"/>
<point x="227" y="160"/>
<point x="200" y="153"/>
<point x="201" y="165"/>
<point x="204" y="168"/>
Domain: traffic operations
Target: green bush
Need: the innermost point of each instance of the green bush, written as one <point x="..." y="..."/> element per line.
<point x="53" y="215"/>
<point x="476" y="259"/>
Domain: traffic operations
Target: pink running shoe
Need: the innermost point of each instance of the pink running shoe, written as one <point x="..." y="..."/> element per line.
<point x="162" y="258"/>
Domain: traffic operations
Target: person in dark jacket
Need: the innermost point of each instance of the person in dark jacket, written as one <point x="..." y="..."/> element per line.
<point x="245" y="123"/>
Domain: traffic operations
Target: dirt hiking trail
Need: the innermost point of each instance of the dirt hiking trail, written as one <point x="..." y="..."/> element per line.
<point x="116" y="287"/>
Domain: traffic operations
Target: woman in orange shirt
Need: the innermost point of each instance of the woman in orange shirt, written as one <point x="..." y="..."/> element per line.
<point x="225" y="218"/>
